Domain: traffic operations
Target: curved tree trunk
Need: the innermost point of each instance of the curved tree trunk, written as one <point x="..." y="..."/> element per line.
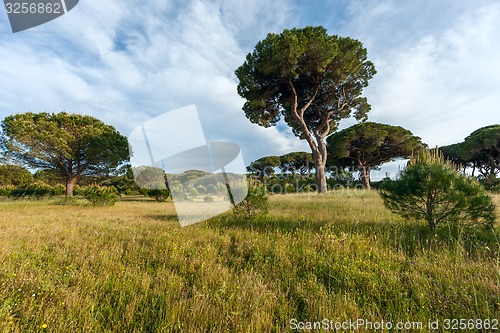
<point x="365" y="177"/>
<point x="70" y="184"/>
<point x="319" y="164"/>
<point x="321" y="179"/>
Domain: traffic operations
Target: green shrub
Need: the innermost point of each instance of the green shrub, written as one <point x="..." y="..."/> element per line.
<point x="79" y="190"/>
<point x="309" y="188"/>
<point x="35" y="190"/>
<point x="157" y="193"/>
<point x="6" y="190"/>
<point x="255" y="203"/>
<point x="101" y="195"/>
<point x="130" y="191"/>
<point x="208" y="198"/>
<point x="289" y="188"/>
<point x="211" y="189"/>
<point x="491" y="183"/>
<point x="431" y="189"/>
<point x="191" y="190"/>
<point x="14" y="175"/>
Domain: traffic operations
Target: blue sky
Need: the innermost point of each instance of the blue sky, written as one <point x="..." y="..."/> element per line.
<point x="127" y="61"/>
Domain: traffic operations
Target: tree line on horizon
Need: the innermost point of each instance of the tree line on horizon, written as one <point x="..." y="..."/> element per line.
<point x="303" y="76"/>
<point x="366" y="146"/>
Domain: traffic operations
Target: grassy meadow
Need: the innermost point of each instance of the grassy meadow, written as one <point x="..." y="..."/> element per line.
<point x="340" y="256"/>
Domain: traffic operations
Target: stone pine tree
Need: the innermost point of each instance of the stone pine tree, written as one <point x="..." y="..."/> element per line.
<point x="70" y="145"/>
<point x="431" y="189"/>
<point x="264" y="166"/>
<point x="297" y="161"/>
<point x="482" y="147"/>
<point x="368" y="145"/>
<point x="480" y="151"/>
<point x="309" y="79"/>
<point x="14" y="175"/>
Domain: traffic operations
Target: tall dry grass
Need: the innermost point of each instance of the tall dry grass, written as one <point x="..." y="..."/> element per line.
<point x="132" y="268"/>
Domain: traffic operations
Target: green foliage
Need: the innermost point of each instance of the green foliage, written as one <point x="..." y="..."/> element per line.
<point x="264" y="166"/>
<point x="35" y="190"/>
<point x="339" y="255"/>
<point x="124" y="182"/>
<point x="49" y="177"/>
<point x="14" y="175"/>
<point x="101" y="195"/>
<point x="70" y="145"/>
<point x="491" y="183"/>
<point x="455" y="154"/>
<point x="309" y="79"/>
<point x="201" y="189"/>
<point x="297" y="161"/>
<point x="368" y="145"/>
<point x="208" y="198"/>
<point x="480" y="150"/>
<point x="255" y="203"/>
<point x="191" y="190"/>
<point x="157" y="194"/>
<point x="152" y="182"/>
<point x="306" y="60"/>
<point x="430" y="188"/>
<point x="149" y="177"/>
<point x="289" y="188"/>
<point x="211" y="189"/>
<point x="482" y="147"/>
<point x="6" y="190"/>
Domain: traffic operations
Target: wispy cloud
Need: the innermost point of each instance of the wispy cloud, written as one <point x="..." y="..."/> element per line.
<point x="128" y="61"/>
<point x="442" y="84"/>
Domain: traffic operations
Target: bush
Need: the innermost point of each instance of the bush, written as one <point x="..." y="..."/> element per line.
<point x="491" y="183"/>
<point x="431" y="189"/>
<point x="309" y="188"/>
<point x="191" y="190"/>
<point x="208" y="198"/>
<point x="35" y="190"/>
<point x="6" y="190"/>
<point x="157" y="193"/>
<point x="211" y="189"/>
<point x="289" y="188"/>
<point x="101" y="195"/>
<point x="201" y="189"/>
<point x="14" y="175"/>
<point x="255" y="203"/>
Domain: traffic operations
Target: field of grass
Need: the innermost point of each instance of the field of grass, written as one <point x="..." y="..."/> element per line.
<point x="132" y="268"/>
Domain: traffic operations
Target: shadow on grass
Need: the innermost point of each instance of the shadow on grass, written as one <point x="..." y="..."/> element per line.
<point x="407" y="237"/>
<point x="264" y="224"/>
<point x="163" y="217"/>
<point x="136" y="198"/>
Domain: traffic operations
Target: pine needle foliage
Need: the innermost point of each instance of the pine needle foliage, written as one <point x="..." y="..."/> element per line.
<point x="430" y="188"/>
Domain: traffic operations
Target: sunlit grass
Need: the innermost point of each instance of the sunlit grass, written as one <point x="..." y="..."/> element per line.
<point x="132" y="268"/>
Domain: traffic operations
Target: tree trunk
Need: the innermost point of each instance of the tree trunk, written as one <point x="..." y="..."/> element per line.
<point x="429" y="206"/>
<point x="321" y="179"/>
<point x="70" y="184"/>
<point x="365" y="177"/>
<point x="318" y="146"/>
<point x="319" y="164"/>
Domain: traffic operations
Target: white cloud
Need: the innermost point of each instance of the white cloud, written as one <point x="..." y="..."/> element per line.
<point x="128" y="61"/>
<point x="445" y="85"/>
